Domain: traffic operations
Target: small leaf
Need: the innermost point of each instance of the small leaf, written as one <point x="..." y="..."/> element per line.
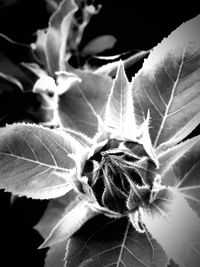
<point x="70" y="223"/>
<point x="79" y="106"/>
<point x="119" y="109"/>
<point x="99" y="45"/>
<point x="57" y="35"/>
<point x="169" y="157"/>
<point x="55" y="211"/>
<point x="111" y="68"/>
<point x="175" y="226"/>
<point x="105" y="242"/>
<point x="35" y="161"/>
<point x="168" y="85"/>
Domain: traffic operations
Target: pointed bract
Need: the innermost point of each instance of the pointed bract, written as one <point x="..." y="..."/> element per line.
<point x="119" y="115"/>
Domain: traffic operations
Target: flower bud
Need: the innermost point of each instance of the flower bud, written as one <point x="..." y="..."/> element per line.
<point x="121" y="176"/>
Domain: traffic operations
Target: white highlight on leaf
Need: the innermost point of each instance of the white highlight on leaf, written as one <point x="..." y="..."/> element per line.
<point x="177" y="228"/>
<point x="119" y="114"/>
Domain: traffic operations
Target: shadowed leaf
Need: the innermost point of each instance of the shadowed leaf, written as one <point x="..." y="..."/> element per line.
<point x="99" y="45"/>
<point x="106" y="242"/>
<point x="11" y="55"/>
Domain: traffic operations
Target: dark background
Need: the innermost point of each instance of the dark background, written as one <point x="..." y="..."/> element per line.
<point x="136" y="25"/>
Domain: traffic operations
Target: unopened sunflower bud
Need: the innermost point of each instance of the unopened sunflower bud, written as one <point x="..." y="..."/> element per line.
<point x="121" y="176"/>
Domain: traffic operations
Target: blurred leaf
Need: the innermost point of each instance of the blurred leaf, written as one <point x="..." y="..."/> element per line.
<point x="77" y="107"/>
<point x="99" y="44"/>
<point x="119" y="113"/>
<point x="175" y="226"/>
<point x="7" y="3"/>
<point x="57" y="35"/>
<point x="35" y="161"/>
<point x="11" y="55"/>
<point x="168" y="85"/>
<point x="105" y="242"/>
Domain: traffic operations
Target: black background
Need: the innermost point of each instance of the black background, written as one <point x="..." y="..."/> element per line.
<point x="136" y="25"/>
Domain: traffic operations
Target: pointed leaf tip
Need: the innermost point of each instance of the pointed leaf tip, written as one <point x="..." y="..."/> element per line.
<point x="119" y="115"/>
<point x="69" y="224"/>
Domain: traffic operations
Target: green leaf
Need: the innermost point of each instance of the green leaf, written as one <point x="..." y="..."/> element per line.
<point x="175" y="226"/>
<point x="55" y="211"/>
<point x="167" y="158"/>
<point x="57" y="35"/>
<point x="55" y="255"/>
<point x="35" y="161"/>
<point x="119" y="114"/>
<point x="168" y="85"/>
<point x="79" y="106"/>
<point x="105" y="242"/>
<point x="72" y="220"/>
<point x="99" y="45"/>
<point x="111" y="68"/>
<point x="14" y="75"/>
<point x="184" y="175"/>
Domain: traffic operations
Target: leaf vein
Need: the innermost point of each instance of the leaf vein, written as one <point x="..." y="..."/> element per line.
<point x="171" y="98"/>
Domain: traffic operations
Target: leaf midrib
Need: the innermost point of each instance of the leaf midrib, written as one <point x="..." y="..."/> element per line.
<point x="55" y="167"/>
<point x="171" y="98"/>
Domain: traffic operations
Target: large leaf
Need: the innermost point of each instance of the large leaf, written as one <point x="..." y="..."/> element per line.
<point x="105" y="242"/>
<point x="168" y="85"/>
<point x="79" y="105"/>
<point x="119" y="113"/>
<point x="36" y="162"/>
<point x="184" y="175"/>
<point x="57" y="35"/>
<point x="175" y="226"/>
